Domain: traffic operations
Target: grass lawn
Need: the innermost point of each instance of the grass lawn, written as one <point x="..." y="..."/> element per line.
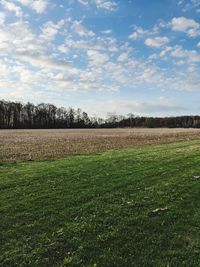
<point x="138" y="207"/>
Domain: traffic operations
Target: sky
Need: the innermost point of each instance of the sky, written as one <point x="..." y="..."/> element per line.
<point x="104" y="56"/>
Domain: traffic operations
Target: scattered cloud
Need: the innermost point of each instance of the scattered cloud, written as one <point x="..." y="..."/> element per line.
<point x="38" y="6"/>
<point x="109" y="31"/>
<point x="51" y="55"/>
<point x="50" y="29"/>
<point x="189" y="26"/>
<point x="107" y="5"/>
<point x="42" y="61"/>
<point x="157" y="42"/>
<point x="165" y="51"/>
<point x="138" y="33"/>
<point x="83" y="2"/>
<point x="63" y="49"/>
<point x="123" y="57"/>
<point x="189" y="5"/>
<point x="79" y="29"/>
<point x="10" y="6"/>
<point x="190" y="55"/>
<point x="96" y="57"/>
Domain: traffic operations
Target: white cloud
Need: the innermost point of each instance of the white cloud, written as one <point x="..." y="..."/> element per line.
<point x="138" y="33"/>
<point x="44" y="61"/>
<point x="107" y="5"/>
<point x="37" y="5"/>
<point x="123" y="57"/>
<point x="50" y="29"/>
<point x="12" y="7"/>
<point x="96" y="57"/>
<point x="190" y="55"/>
<point x="165" y="51"/>
<point x="83" y="44"/>
<point x="2" y="18"/>
<point x="109" y="31"/>
<point x="157" y="41"/>
<point x="83" y="2"/>
<point x="18" y="37"/>
<point x="81" y="30"/>
<point x="189" y="5"/>
<point x="198" y="44"/>
<point x="63" y="49"/>
<point x="189" y="26"/>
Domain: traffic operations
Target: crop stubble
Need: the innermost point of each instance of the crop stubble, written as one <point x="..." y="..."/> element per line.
<point x="22" y="145"/>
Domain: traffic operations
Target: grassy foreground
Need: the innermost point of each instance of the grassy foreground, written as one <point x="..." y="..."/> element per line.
<point x="138" y="207"/>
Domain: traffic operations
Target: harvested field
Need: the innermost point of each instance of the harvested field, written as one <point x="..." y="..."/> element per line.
<point x="22" y="145"/>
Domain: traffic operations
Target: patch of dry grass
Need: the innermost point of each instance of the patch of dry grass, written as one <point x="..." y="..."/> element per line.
<point x="22" y="145"/>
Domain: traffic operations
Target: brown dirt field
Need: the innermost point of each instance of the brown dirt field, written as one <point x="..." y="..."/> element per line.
<point x="22" y="145"/>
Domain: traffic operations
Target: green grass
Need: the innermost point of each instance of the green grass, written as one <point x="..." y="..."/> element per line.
<point x="96" y="210"/>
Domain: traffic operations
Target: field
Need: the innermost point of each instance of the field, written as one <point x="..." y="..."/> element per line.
<point x="135" y="206"/>
<point x="20" y="145"/>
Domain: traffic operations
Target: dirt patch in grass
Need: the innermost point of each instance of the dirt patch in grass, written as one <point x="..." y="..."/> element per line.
<point x="20" y="145"/>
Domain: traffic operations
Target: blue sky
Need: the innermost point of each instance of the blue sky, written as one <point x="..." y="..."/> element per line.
<point x="104" y="56"/>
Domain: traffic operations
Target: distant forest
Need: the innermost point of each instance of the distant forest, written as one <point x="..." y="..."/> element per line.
<point x="15" y="115"/>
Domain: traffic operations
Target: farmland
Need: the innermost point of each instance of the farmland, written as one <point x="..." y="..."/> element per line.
<point x="20" y="145"/>
<point x="129" y="197"/>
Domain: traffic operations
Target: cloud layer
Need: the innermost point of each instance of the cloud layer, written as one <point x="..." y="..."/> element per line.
<point x="48" y="58"/>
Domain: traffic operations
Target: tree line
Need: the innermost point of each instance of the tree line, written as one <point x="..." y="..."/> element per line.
<point x="15" y="115"/>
